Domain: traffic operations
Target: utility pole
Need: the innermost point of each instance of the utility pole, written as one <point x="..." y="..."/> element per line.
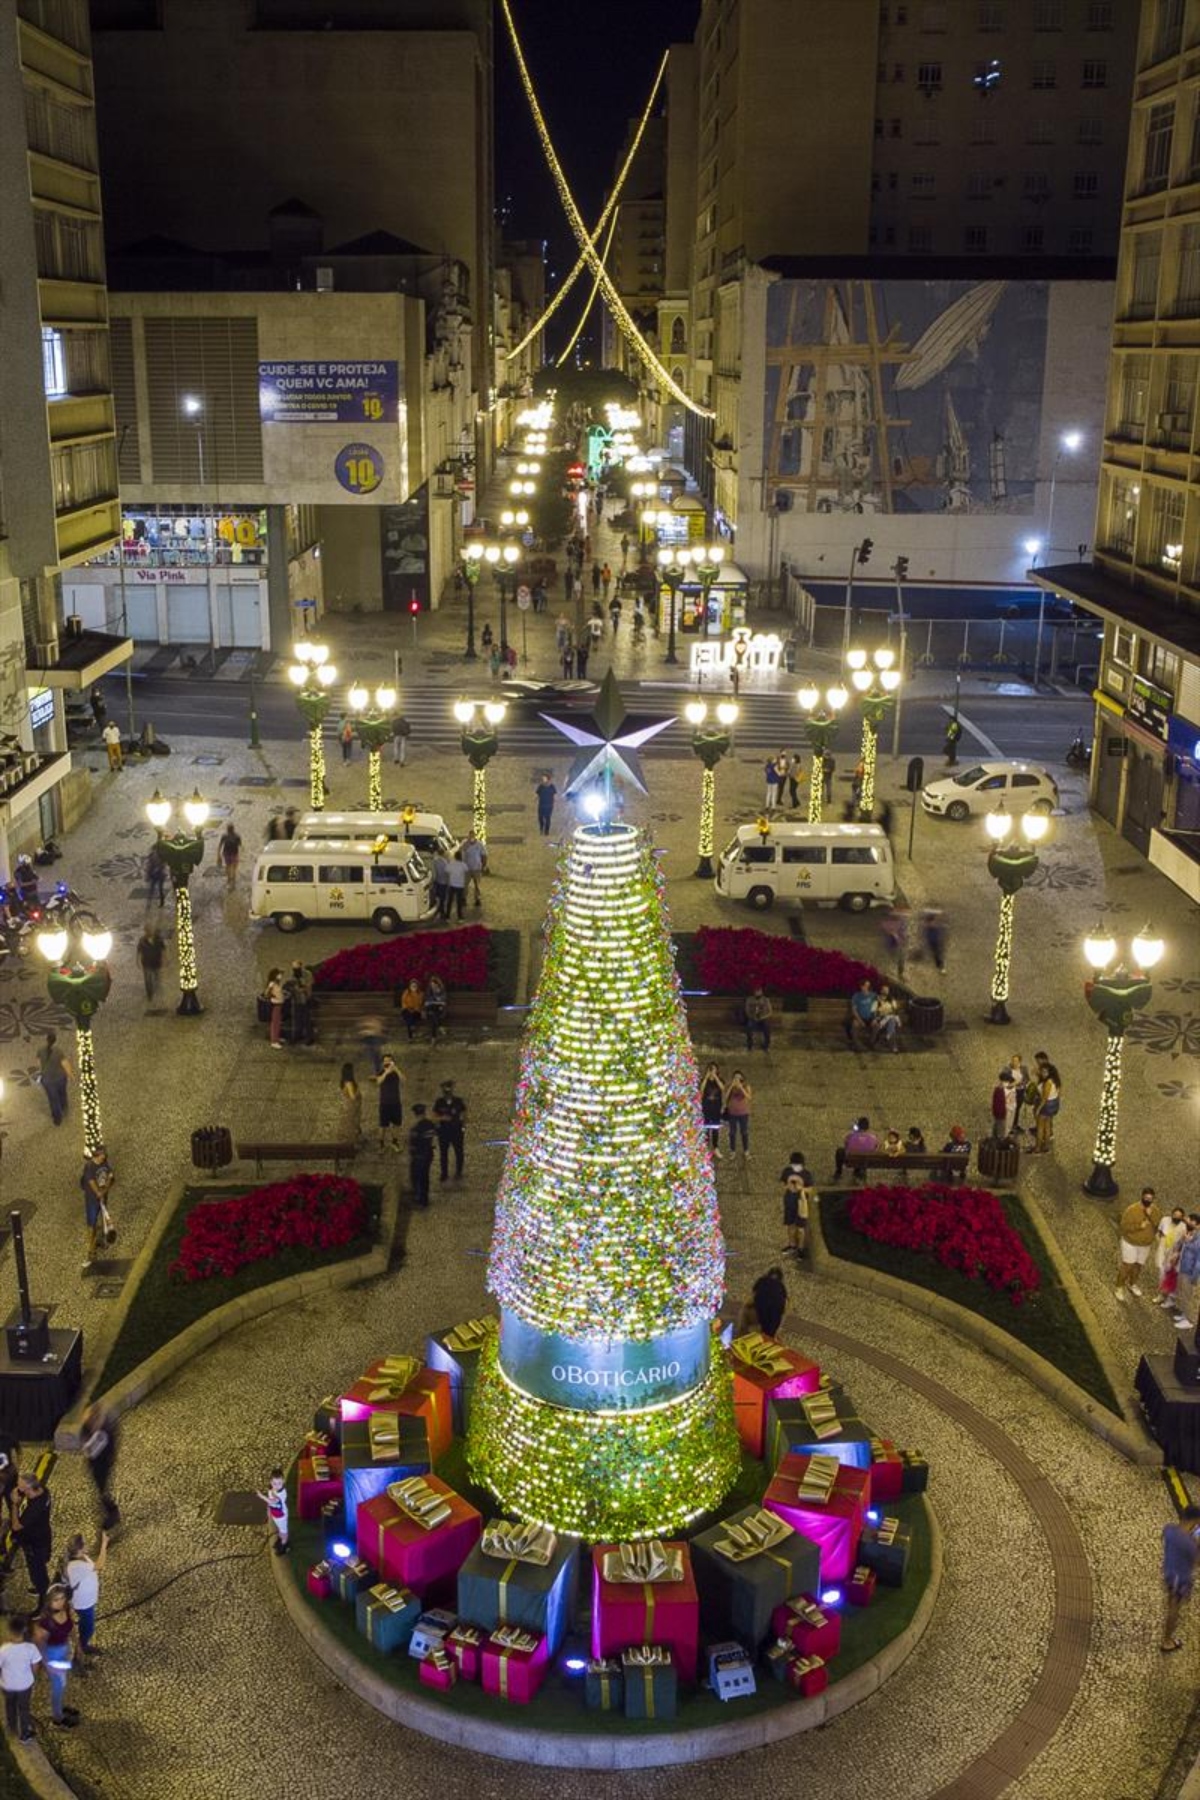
<point x="900" y="570"/>
<point x="860" y="554"/>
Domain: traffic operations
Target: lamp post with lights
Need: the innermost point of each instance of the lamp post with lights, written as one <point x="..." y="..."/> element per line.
<point x="820" y="725"/>
<point x="1114" y="996"/>
<point x="710" y="743"/>
<point x="479" y="743"/>
<point x="79" y="979"/>
<point x="875" y="681"/>
<point x="373" y="726"/>
<point x="312" y="674"/>
<point x="1011" y="861"/>
<point x="182" y="852"/>
<point x="672" y="567"/>
<point x="707" y="560"/>
<point x="471" y="559"/>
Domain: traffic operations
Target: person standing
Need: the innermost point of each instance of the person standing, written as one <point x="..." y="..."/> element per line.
<point x="1139" y="1227"/>
<point x="54" y="1071"/>
<point x="31" y="1526"/>
<point x="1018" y="1074"/>
<point x="401" y="732"/>
<point x="52" y="1633"/>
<point x="456" y="883"/>
<point x="150" y="953"/>
<point x="1180" y="1548"/>
<point x="562" y="633"/>
<point x="273" y="994"/>
<point x="229" y="849"/>
<point x="1004" y="1106"/>
<point x="441" y="883"/>
<point x="796" y="777"/>
<point x="595" y="578"/>
<point x="83" y="1579"/>
<point x="390" y="1083"/>
<point x="796" y="1194"/>
<point x="421" y="1139"/>
<point x="276" y="1502"/>
<point x="100" y="1444"/>
<point x="474" y="855"/>
<point x="299" y="991"/>
<point x="582" y="651"/>
<point x="156" y="875"/>
<point x="1048" y="1102"/>
<point x="546" y="795"/>
<point x="738" y="1098"/>
<point x="112" y="743"/>
<point x="347" y="736"/>
<point x="95" y="1180"/>
<point x="1188" y="1267"/>
<point x="20" y="1660"/>
<point x="1168" y="1240"/>
<point x="771" y="785"/>
<point x="450" y="1115"/>
<point x="950" y="741"/>
<point x="757" y="1017"/>
<point x="606" y="582"/>
<point x="712" y="1108"/>
<point x="350" y="1113"/>
<point x="568" y="657"/>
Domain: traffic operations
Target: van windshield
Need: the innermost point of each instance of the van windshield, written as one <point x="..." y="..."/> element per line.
<point x="729" y="853"/>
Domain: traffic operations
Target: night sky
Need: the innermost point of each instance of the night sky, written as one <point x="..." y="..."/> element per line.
<point x="592" y="65"/>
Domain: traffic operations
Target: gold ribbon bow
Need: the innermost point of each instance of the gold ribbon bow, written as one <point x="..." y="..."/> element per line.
<point x="819" y="1480"/>
<point x="649" y="1561"/>
<point x="804" y="1665"/>
<point x="465" y="1637"/>
<point x="646" y="1656"/>
<point x="395" y="1599"/>
<point x="320" y="1468"/>
<point x="760" y="1531"/>
<point x="886" y="1531"/>
<point x="807" y="1613"/>
<point x="383" y="1436"/>
<point x="762" y="1354"/>
<point x="321" y="1568"/>
<point x="602" y="1665"/>
<point x="440" y="1660"/>
<point x="391" y="1377"/>
<point x="420" y="1502"/>
<point x="822" y="1414"/>
<point x="511" y="1637"/>
<point x="467" y="1336"/>
<point x="509" y="1541"/>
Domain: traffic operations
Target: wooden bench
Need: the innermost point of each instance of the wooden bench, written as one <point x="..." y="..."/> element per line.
<point x="259" y="1154"/>
<point x="946" y="1165"/>
<point x="337" y="1011"/>
<point x="725" y="1012"/>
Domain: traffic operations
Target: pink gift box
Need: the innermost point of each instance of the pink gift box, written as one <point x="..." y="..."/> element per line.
<point x="835" y="1525"/>
<point x="441" y="1674"/>
<point x="887" y="1472"/>
<point x="318" y="1479"/>
<point x="514" y="1675"/>
<point x="752" y="1388"/>
<point x="861" y="1588"/>
<point x="320" y="1581"/>
<point x="627" y="1614"/>
<point x="808" y="1675"/>
<point x="804" y="1635"/>
<point x="465" y="1644"/>
<point x="404" y="1552"/>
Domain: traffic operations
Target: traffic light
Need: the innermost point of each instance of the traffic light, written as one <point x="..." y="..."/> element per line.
<point x="864" y="550"/>
<point x="414" y="606"/>
<point x="901" y="568"/>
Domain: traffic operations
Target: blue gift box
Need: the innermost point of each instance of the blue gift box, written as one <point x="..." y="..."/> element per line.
<point x="821" y="1424"/>
<point x="455" y="1352"/>
<point x="500" y="1590"/>
<point x="363" y="1477"/>
<point x="386" y="1615"/>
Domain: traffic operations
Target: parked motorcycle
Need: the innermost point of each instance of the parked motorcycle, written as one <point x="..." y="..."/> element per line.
<point x="1079" y="756"/>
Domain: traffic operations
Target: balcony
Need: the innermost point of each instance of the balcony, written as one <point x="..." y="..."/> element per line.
<point x="38" y="774"/>
<point x="77" y="659"/>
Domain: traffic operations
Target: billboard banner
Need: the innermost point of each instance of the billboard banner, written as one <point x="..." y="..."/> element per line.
<point x="329" y="393"/>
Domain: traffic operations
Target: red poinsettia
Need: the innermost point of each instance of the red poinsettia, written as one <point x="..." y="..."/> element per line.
<point x="318" y="1212"/>
<point x="730" y="960"/>
<point x="963" y="1228"/>
<point x="460" y="957"/>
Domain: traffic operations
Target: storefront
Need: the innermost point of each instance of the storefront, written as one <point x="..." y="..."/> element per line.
<point x="1130" y="762"/>
<point x="712" y="611"/>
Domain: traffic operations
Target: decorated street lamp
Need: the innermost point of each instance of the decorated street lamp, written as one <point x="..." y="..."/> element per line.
<point x="471" y="559"/>
<point x="313" y="675"/>
<point x="875" y="683"/>
<point x="707" y="560"/>
<point x="1011" y="861"/>
<point x="710" y="743"/>
<point x="479" y="743"/>
<point x="182" y="852"/>
<point x="673" y="566"/>
<point x="79" y="980"/>
<point x="820" y="725"/>
<point x="373" y="726"/>
<point x="1114" y="996"/>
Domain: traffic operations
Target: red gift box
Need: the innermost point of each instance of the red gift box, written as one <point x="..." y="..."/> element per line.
<point x="320" y="1581"/>
<point x="514" y="1664"/>
<point x="808" y="1675"/>
<point x="835" y="1523"/>
<point x="318" y="1479"/>
<point x="764" y="1369"/>
<point x="404" y="1550"/>
<point x="465" y="1644"/>
<point x="809" y="1628"/>
<point x="388" y="1388"/>
<point x="887" y="1472"/>
<point x="437" y="1670"/>
<point x="861" y="1590"/>
<point x="627" y="1614"/>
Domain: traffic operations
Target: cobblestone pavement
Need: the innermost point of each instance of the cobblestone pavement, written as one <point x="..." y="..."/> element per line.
<point x="204" y="1686"/>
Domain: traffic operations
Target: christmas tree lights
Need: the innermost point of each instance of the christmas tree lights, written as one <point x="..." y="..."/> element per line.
<point x="89" y="1092"/>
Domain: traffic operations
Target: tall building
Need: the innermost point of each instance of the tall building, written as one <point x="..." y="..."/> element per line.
<point x="1144" y="577"/>
<point x="636" y="255"/>
<point x="58" y="453"/>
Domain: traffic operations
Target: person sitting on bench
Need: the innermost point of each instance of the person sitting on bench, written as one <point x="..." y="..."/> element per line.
<point x="860" y="1137"/>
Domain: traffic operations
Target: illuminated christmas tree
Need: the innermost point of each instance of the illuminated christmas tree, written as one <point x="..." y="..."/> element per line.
<point x="602" y="1409"/>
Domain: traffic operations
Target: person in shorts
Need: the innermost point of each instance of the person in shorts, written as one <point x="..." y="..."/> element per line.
<point x="1139" y="1227"/>
<point x="796" y="1191"/>
<point x="1180" y="1550"/>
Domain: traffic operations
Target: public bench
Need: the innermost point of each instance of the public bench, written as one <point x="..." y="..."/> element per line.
<point x="260" y="1153"/>
<point x="944" y="1165"/>
<point x="344" y="1011"/>
<point x="726" y="1012"/>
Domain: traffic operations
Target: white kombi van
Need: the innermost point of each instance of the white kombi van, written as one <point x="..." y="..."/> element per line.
<point x="296" y="883"/>
<point x="425" y="831"/>
<point x="851" y="864"/>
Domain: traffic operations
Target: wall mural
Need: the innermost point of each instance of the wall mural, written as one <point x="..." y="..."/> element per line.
<point x="905" y="396"/>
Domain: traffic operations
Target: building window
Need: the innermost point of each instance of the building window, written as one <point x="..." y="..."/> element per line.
<point x="1168" y="29"/>
<point x="897" y="72"/>
<point x="1041" y="131"/>
<point x="1156" y="149"/>
<point x="920" y="239"/>
<point x="1124" y="645"/>
<point x="1099" y="15"/>
<point x="975" y="240"/>
<point x="1193" y="164"/>
<point x="889" y="237"/>
<point x="1090" y="131"/>
<point x="875" y="183"/>
<point x="1086" y="185"/>
<point x="1036" y="186"/>
<point x="1185" y="302"/>
<point x="1160" y="665"/>
<point x="1048" y="15"/>
<point x="991" y="15"/>
<point x="933" y="15"/>
<point x="924" y="186"/>
<point x="926" y="130"/>
<point x="1133" y="387"/>
<point x="929" y="77"/>
<point x="1080" y="241"/>
<point x="1033" y="240"/>
<point x="1179" y="403"/>
<point x="1045" y="76"/>
<point x="893" y="181"/>
<point x="1166" y="528"/>
<point x="54" y="363"/>
<point x="1141" y="301"/>
<point x="983" y="131"/>
<point x="894" y="128"/>
<point x="1095" y="72"/>
<point x="979" y="187"/>
<point x="1121" y="529"/>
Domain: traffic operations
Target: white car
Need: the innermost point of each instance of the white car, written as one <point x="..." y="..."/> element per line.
<point x="1018" y="786"/>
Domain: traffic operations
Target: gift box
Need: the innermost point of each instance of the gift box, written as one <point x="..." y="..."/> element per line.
<point x="318" y="1443"/>
<point x="762" y="1369"/>
<point x="646" y="1593"/>
<point x="465" y="1645"/>
<point x="747" y="1566"/>
<point x="418" y="1531"/>
<point x="886" y="1548"/>
<point x="730" y="1672"/>
<point x="807" y="1627"/>
<point x="604" y="1685"/>
<point x="860" y="1590"/>
<point x="349" y="1576"/>
<point x="318" y="1479"/>
<point x="824" y="1422"/>
<point x="827" y="1501"/>
<point x="651" y="1682"/>
<point x="455" y="1353"/>
<point x="375" y="1452"/>
<point x="916" y="1472"/>
<point x="777" y="1656"/>
<point x="808" y="1675"/>
<point x="320" y="1581"/>
<point x="430" y="1632"/>
<point x="385" y="1615"/>
<point x="514" y="1664"/>
<point x="887" y="1472"/>
<point x="438" y="1670"/>
<point x="327" y="1419"/>
<point x="419" y="1397"/>
<point x="521" y="1575"/>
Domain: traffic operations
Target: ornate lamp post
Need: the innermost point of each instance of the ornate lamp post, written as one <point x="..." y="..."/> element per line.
<point x="471" y="559"/>
<point x="1114" y="996"/>
<point x="673" y="566"/>
<point x="707" y="560"/>
<point x="710" y="743"/>
<point x="479" y="744"/>
<point x="182" y="852"/>
<point x="641" y="493"/>
<point x="876" y="687"/>
<point x="373" y="726"/>
<point x="313" y="675"/>
<point x="820" y="725"/>
<point x="79" y="980"/>
<point x="1011" y="861"/>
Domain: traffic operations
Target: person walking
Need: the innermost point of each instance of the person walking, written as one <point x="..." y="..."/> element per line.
<point x="53" y="1630"/>
<point x="614" y="613"/>
<point x="421" y="1139"/>
<point x="83" y="1579"/>
<point x="401" y="732"/>
<point x="624" y="550"/>
<point x="765" y="1309"/>
<point x="756" y="1016"/>
<point x="32" y="1531"/>
<point x="299" y="990"/>
<point x="390" y="1083"/>
<point x="273" y="994"/>
<point x="1048" y="1102"/>
<point x="712" y="1108"/>
<point x="20" y="1660"/>
<point x="351" y="1110"/>
<point x="950" y="741"/>
<point x="606" y="580"/>
<point x="546" y="794"/>
<point x="101" y="1440"/>
<point x="370" y="1036"/>
<point x="450" y="1116"/>
<point x="582" y="651"/>
<point x="412" y="1006"/>
<point x="441" y="883"/>
<point x="894" y="931"/>
<point x="112" y="743"/>
<point x="347" y="737"/>
<point x="1168" y="1241"/>
<point x="54" y="1072"/>
<point x="1138" y="1228"/>
<point x="1180" y="1548"/>
<point x="568" y="657"/>
<point x="156" y="875"/>
<point x="771" y="785"/>
<point x="474" y="855"/>
<point x="229" y="849"/>
<point x="95" y="1180"/>
<point x="150" y="954"/>
<point x="595" y="578"/>
<point x="738" y="1098"/>
<point x="933" y="935"/>
<point x="456" y="883"/>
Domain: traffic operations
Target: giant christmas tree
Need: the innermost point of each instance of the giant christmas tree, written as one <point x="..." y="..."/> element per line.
<point x="601" y="1408"/>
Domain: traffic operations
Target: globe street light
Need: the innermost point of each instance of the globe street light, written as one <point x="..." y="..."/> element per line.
<point x="1011" y="861"/>
<point x="1114" y="996"/>
<point x="820" y="724"/>
<point x="673" y="566"/>
<point x="373" y="726"/>
<point x="707" y="560"/>
<point x="876" y="685"/>
<point x="710" y="743"/>
<point x="79" y="980"/>
<point x="313" y="675"/>
<point x="471" y="558"/>
<point x="182" y="852"/>
<point x="479" y="743"/>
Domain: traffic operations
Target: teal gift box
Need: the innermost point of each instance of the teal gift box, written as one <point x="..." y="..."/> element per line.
<point x="914" y="1478"/>
<point x="455" y="1352"/>
<point x="651" y="1688"/>
<point x="385" y="1615"/>
<point x="738" y="1596"/>
<point x="502" y="1590"/>
<point x="349" y="1576"/>
<point x="604" y="1686"/>
<point x="886" y="1548"/>
<point x="825" y="1423"/>
<point x="365" y="1475"/>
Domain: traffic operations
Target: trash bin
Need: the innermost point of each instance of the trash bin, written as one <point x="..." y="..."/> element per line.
<point x="926" y="1013"/>
<point x="212" y="1148"/>
<point x="999" y="1159"/>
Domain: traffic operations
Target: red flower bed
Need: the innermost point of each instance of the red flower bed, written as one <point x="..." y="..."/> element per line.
<point x="963" y="1228"/>
<point x="318" y="1212"/>
<point x="460" y="957"/>
<point x="731" y="961"/>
